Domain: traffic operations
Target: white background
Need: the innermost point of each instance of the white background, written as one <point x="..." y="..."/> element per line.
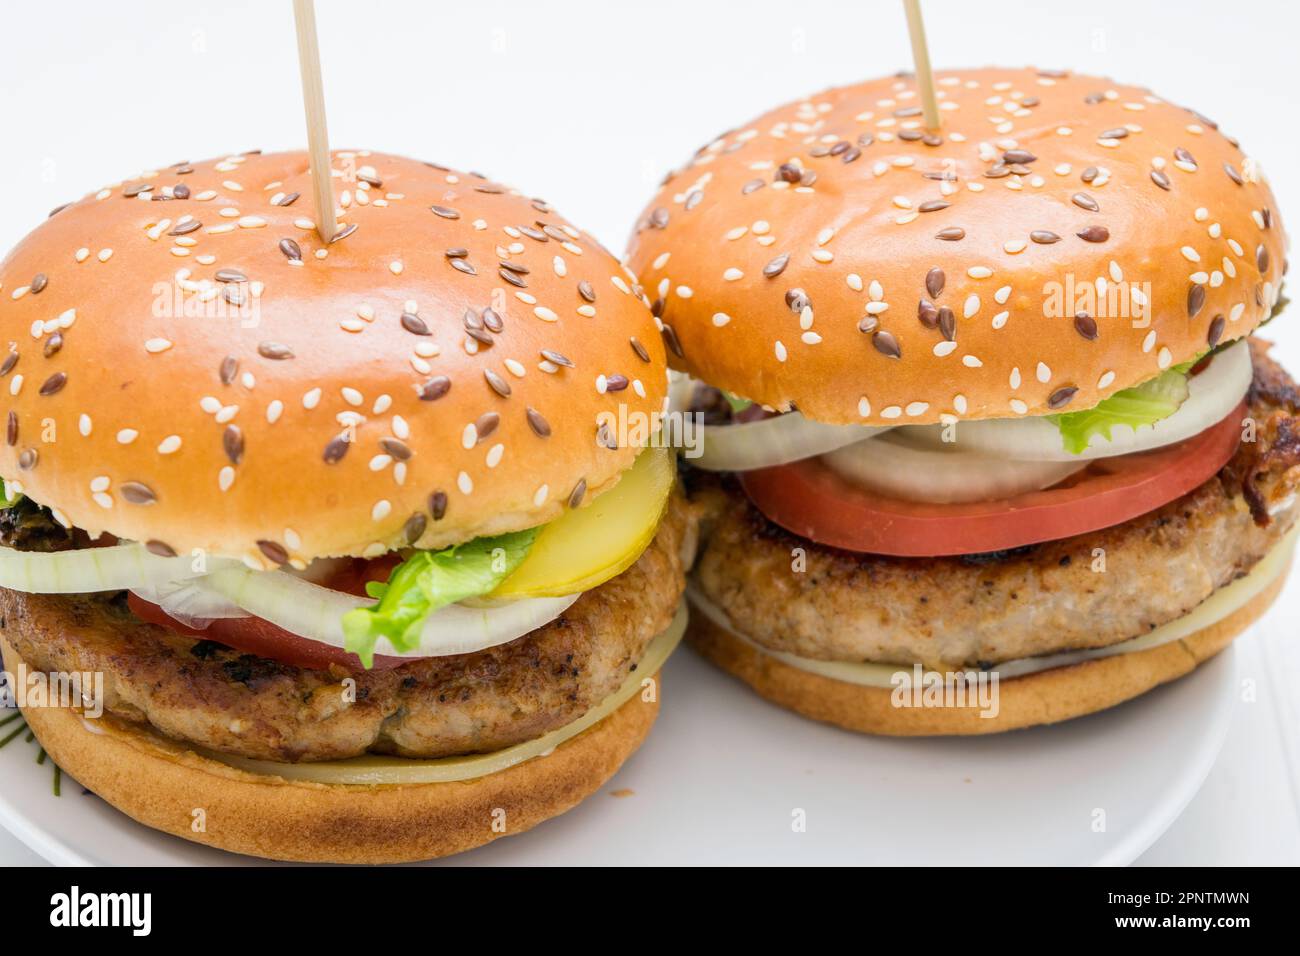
<point x="588" y="103"/>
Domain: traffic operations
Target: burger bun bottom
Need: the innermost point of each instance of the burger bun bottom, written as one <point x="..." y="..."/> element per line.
<point x="1046" y="697"/>
<point x="161" y="783"/>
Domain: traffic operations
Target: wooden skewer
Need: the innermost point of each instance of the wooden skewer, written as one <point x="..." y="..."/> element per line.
<point x="921" y="56"/>
<point x="313" y="101"/>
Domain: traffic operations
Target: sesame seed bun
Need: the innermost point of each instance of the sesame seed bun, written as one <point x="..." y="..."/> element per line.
<point x="188" y="363"/>
<point x="160" y="783"/>
<point x="1046" y="697"/>
<point x="835" y="256"/>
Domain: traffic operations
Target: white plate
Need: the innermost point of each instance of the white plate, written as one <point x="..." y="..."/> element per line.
<point x="724" y="774"/>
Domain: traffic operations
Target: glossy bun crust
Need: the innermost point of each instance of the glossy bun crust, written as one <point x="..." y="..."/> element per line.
<point x="835" y="256"/>
<point x="186" y="362"/>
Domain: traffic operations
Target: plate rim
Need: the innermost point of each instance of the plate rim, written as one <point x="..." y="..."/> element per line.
<point x="53" y="848"/>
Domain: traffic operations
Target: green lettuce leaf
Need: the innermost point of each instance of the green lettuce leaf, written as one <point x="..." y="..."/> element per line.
<point x="738" y="405"/>
<point x="7" y="500"/>
<point x="1143" y="404"/>
<point x="427" y="581"/>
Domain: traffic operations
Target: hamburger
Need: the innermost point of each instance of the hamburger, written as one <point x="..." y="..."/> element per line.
<point x="349" y="531"/>
<point x="982" y="405"/>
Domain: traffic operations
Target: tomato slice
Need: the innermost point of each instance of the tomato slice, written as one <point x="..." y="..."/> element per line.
<point x="253" y="635"/>
<point x="811" y="500"/>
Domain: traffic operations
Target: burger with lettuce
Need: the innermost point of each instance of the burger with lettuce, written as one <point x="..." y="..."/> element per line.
<point x="985" y="400"/>
<point x="350" y="528"/>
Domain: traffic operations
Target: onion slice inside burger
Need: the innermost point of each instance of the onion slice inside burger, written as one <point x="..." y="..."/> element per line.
<point x="899" y="468"/>
<point x="775" y="440"/>
<point x="1212" y="394"/>
<point x="87" y="570"/>
<point x="285" y="600"/>
<point x="312" y="611"/>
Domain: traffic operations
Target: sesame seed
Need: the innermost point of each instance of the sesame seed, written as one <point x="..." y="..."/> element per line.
<point x="414" y="324"/>
<point x="886" y="344"/>
<point x="1061" y="397"/>
<point x="776" y="266"/>
<point x="335" y="450"/>
<point x="578" y="493"/>
<point x="137" y="493"/>
<point x="274" y="351"/>
<point x="934" y="282"/>
<point x="51" y="385"/>
<point x="1215" y="331"/>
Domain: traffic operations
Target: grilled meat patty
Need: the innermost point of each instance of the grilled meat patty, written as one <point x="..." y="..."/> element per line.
<point x="982" y="609"/>
<point x="206" y="694"/>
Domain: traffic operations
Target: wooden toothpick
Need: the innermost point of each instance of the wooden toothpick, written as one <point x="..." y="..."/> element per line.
<point x="313" y="101"/>
<point x="921" y="56"/>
